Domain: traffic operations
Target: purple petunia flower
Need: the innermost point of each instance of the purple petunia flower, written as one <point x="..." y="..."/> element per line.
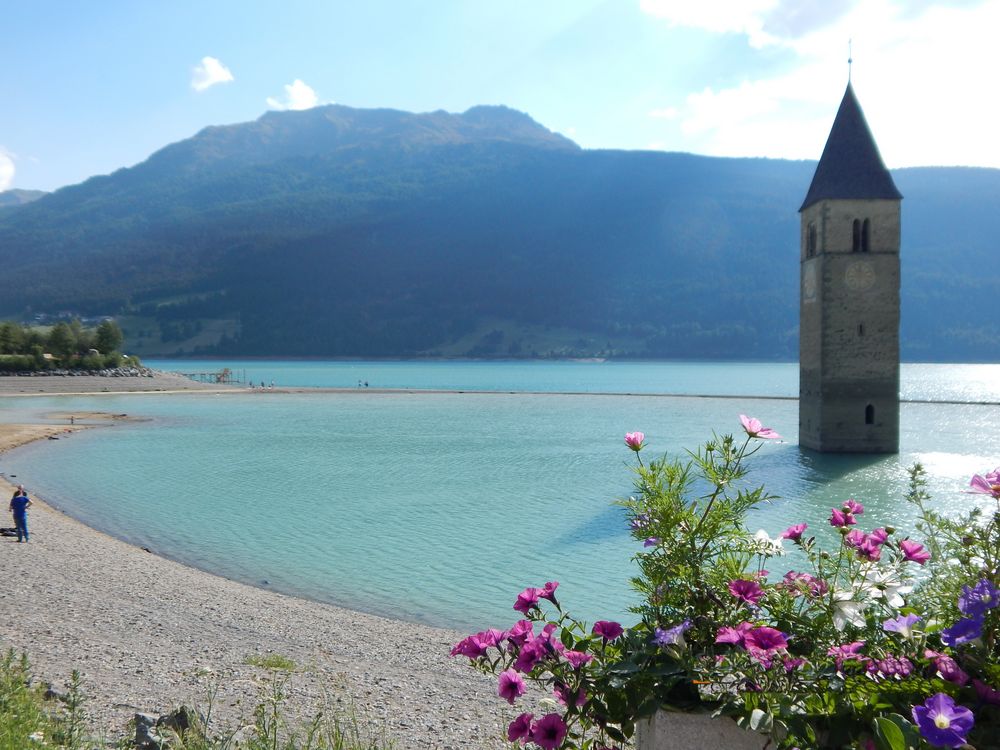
<point x="747" y="591"/>
<point x="975" y="601"/>
<point x="607" y="629"/>
<point x="902" y="625"/>
<point x="948" y="668"/>
<point x="671" y="636"/>
<point x="965" y="630"/>
<point x="651" y="541"/>
<point x="942" y="723"/>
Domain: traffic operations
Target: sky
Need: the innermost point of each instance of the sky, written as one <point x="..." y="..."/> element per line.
<point x="91" y="86"/>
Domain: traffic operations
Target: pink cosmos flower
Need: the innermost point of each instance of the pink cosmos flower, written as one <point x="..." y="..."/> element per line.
<point x="528" y="599"/>
<point x="988" y="485"/>
<point x="577" y="658"/>
<point x="634" y="440"/>
<point x="794" y="532"/>
<point x="755" y="429"/>
<point x="841" y="518"/>
<point x="520" y="728"/>
<point x="735" y="635"/>
<point x="549" y="732"/>
<point x="914" y="552"/>
<point x="854" y="507"/>
<point x="607" y="629"/>
<point x="510" y="686"/>
<point x="747" y="591"/>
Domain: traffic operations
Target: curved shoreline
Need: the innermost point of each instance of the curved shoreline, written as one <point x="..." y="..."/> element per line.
<point x="148" y="634"/>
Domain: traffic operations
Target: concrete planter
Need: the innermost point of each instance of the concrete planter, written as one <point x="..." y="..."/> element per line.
<point x="671" y="730"/>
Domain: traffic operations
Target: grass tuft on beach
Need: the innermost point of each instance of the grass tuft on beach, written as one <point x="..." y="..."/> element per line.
<point x="28" y="718"/>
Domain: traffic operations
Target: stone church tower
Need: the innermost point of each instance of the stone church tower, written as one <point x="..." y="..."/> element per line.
<point x="849" y="305"/>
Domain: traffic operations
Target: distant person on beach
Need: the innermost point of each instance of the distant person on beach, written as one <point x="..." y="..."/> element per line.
<point x="19" y="507"/>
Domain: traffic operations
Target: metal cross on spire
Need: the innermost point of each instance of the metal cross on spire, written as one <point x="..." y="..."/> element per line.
<point x="850" y="58"/>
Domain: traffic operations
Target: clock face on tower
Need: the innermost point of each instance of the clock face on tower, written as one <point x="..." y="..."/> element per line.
<point x="859" y="276"/>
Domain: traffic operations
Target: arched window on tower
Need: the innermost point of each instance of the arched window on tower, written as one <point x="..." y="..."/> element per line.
<point x="861" y="329"/>
<point x="866" y="234"/>
<point x="856" y="237"/>
<point x="869" y="414"/>
<point x="811" y="240"/>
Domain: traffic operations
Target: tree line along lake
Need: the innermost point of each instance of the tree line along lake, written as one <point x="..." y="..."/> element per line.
<point x="444" y="488"/>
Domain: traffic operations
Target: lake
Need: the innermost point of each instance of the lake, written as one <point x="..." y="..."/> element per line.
<point x="440" y="507"/>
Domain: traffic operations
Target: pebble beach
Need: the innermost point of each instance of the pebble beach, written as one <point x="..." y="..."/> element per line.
<point x="148" y="634"/>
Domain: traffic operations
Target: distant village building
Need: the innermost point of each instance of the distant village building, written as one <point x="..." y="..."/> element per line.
<point x="849" y="305"/>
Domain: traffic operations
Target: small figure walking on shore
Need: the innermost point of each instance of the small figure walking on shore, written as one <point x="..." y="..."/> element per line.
<point x="19" y="505"/>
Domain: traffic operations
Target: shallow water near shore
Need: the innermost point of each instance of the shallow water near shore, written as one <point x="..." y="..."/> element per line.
<point x="441" y="507"/>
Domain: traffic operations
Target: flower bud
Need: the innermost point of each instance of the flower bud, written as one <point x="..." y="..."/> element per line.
<point x="890" y="529"/>
<point x="844" y="531"/>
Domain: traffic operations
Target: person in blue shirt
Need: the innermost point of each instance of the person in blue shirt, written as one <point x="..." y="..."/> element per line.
<point x="19" y="507"/>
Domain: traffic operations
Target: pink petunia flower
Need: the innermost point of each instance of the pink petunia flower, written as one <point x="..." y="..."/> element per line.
<point x="549" y="732"/>
<point x="472" y="646"/>
<point x="735" y="635"/>
<point x="577" y="658"/>
<point x="914" y="552"/>
<point x="564" y="695"/>
<point x="549" y="591"/>
<point x="607" y="629"/>
<point x="763" y="643"/>
<point x="510" y="686"/>
<point x="634" y="440"/>
<point x="520" y="728"/>
<point x="794" y="532"/>
<point x="520" y="632"/>
<point x="847" y="651"/>
<point x="528" y="599"/>
<point x="755" y="429"/>
<point x="747" y="591"/>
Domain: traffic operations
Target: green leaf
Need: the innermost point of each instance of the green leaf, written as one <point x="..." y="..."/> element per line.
<point x="888" y="736"/>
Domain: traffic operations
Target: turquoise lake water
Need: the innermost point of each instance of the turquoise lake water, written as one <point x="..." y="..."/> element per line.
<point x="441" y="507"/>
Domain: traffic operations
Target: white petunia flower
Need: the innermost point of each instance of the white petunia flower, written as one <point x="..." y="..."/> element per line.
<point x="847" y="609"/>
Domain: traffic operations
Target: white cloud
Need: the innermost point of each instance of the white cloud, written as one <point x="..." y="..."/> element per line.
<point x="6" y="170"/>
<point x="923" y="78"/>
<point x="718" y="16"/>
<point x="298" y="95"/>
<point x="664" y="113"/>
<point x="208" y="73"/>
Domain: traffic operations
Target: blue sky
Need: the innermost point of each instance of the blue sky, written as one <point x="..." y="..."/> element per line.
<point x="87" y="87"/>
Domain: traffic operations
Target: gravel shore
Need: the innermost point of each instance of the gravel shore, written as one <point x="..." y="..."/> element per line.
<point x="148" y="634"/>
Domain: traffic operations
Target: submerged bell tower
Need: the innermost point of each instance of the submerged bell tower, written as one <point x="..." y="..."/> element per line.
<point x="849" y="303"/>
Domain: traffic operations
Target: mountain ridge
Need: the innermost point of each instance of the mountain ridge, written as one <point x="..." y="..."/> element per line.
<point x="384" y="233"/>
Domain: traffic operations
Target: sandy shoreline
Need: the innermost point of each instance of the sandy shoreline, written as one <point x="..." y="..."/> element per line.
<point x="148" y="634"/>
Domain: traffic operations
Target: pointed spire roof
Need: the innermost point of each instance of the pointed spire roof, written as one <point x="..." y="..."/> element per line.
<point x="851" y="166"/>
